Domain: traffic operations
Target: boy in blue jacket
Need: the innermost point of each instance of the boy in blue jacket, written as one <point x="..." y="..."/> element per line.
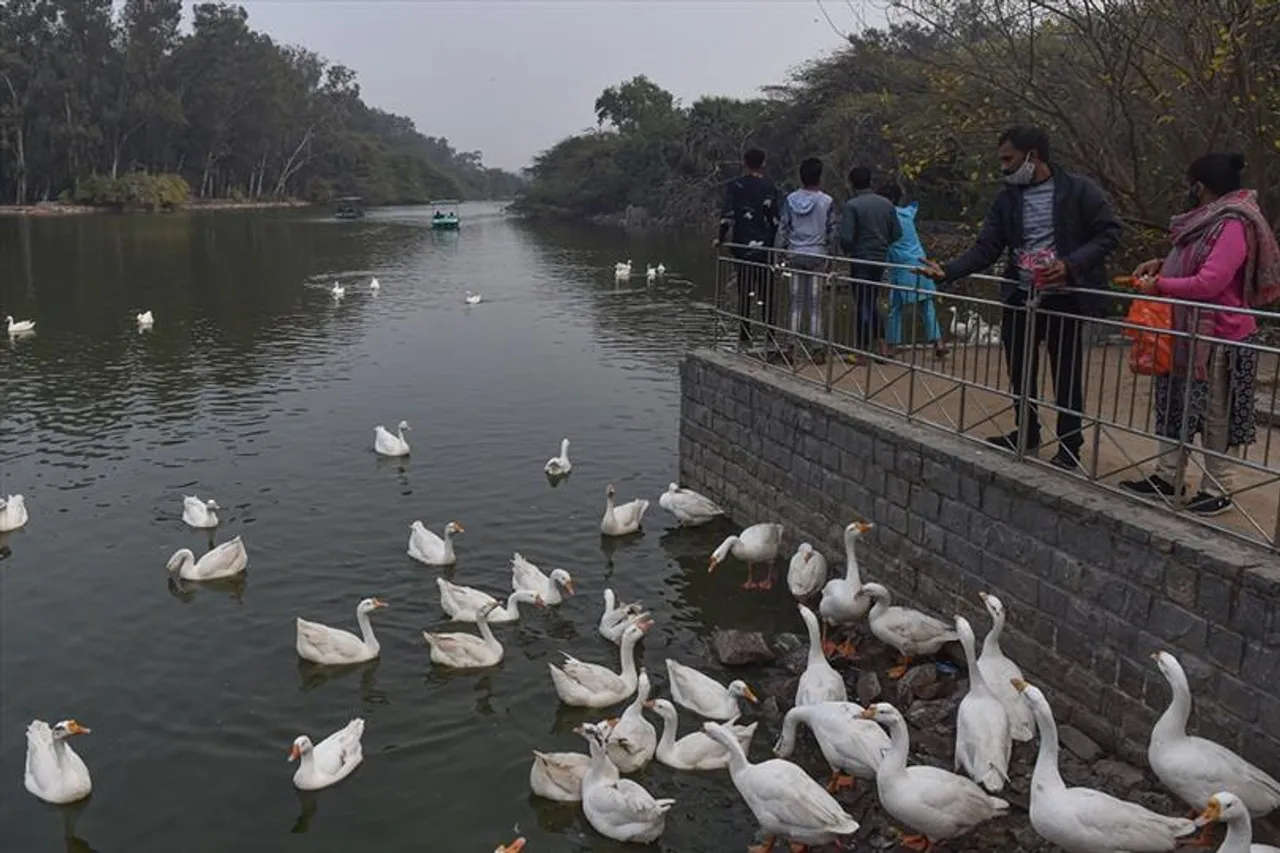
<point x="807" y="229"/>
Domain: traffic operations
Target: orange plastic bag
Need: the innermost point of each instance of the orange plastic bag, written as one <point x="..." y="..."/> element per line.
<point x="1151" y="353"/>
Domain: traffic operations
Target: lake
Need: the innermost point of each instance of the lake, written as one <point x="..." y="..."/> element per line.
<point x="255" y="388"/>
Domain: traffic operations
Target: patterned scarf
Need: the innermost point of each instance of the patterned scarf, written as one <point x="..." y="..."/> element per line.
<point x="1193" y="234"/>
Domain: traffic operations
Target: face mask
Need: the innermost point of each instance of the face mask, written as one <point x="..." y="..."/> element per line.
<point x="1193" y="198"/>
<point x="1020" y="176"/>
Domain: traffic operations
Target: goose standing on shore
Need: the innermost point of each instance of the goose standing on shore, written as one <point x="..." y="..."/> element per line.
<point x="1227" y="808"/>
<point x="807" y="572"/>
<point x="759" y="543"/>
<point x="840" y="605"/>
<point x="909" y="631"/>
<point x="853" y="745"/>
<point x="819" y="682"/>
<point x="999" y="673"/>
<point x="983" y="741"/>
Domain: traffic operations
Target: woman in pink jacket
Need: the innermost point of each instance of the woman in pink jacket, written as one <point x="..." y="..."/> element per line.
<point x="1224" y="255"/>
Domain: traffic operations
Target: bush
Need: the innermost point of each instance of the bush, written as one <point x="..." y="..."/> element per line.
<point x="134" y="190"/>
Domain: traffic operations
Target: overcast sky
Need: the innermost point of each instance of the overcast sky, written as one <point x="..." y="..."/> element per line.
<point x="511" y="77"/>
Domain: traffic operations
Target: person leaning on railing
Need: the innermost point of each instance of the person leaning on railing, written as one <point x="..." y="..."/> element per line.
<point x="1224" y="254"/>
<point x="1043" y="211"/>
<point x="749" y="217"/>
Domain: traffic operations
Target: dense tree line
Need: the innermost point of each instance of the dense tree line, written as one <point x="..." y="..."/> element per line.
<point x="95" y="94"/>
<point x="1130" y="91"/>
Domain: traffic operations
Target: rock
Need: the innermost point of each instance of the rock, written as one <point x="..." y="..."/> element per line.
<point x="786" y="643"/>
<point x="933" y="744"/>
<point x="1120" y="777"/>
<point x="906" y="688"/>
<point x="771" y="709"/>
<point x="868" y="689"/>
<point x="740" y="648"/>
<point x="930" y="715"/>
<point x="1079" y="744"/>
<point x="935" y="690"/>
<point x="1158" y="803"/>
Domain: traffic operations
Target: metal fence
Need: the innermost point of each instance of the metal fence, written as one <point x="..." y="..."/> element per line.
<point x="829" y="321"/>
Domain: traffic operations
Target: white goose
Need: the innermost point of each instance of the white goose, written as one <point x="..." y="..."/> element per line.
<point x="853" y="745"/>
<point x="1195" y="768"/>
<point x="841" y="606"/>
<point x="623" y="519"/>
<point x="690" y="508"/>
<point x="467" y="651"/>
<point x="146" y="320"/>
<point x="227" y="560"/>
<point x="1082" y="820"/>
<point x="559" y="466"/>
<point x="633" y="739"/>
<point x="786" y="802"/>
<point x="617" y="617"/>
<point x="909" y="631"/>
<point x="1227" y="807"/>
<point x="938" y="804"/>
<point x="819" y="682"/>
<point x="757" y="544"/>
<point x="13" y="513"/>
<point x="427" y="547"/>
<point x="662" y="268"/>
<point x="694" y="751"/>
<point x="590" y="685"/>
<point x="807" y="572"/>
<point x="462" y="603"/>
<point x="622" y="272"/>
<point x="473" y="298"/>
<point x="54" y="772"/>
<point x="374" y="286"/>
<point x="983" y="740"/>
<point x="618" y="808"/>
<point x="959" y="331"/>
<point x="525" y="575"/>
<point x="386" y="444"/>
<point x="650" y="273"/>
<point x="198" y="513"/>
<point x="705" y="696"/>
<point x="999" y="672"/>
<point x="21" y="326"/>
<point x="558" y="776"/>
<point x="329" y="761"/>
<point x="335" y="646"/>
<point x="337" y="291"/>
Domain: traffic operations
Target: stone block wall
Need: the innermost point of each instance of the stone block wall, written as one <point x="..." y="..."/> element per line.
<point x="1093" y="583"/>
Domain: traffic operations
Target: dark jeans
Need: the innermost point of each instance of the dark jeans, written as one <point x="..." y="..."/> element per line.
<point x="868" y="324"/>
<point x="755" y="277"/>
<point x="1062" y="336"/>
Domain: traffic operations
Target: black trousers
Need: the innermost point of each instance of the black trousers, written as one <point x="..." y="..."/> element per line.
<point x="868" y="324"/>
<point x="755" y="283"/>
<point x="1061" y="334"/>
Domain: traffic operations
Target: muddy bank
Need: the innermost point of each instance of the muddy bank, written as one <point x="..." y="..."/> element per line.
<point x="928" y="696"/>
<point x="61" y="209"/>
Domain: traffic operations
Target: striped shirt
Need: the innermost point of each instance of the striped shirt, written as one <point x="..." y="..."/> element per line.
<point x="1037" y="223"/>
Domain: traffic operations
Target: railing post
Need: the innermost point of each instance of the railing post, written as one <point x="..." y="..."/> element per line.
<point x="828" y="332"/>
<point x="1184" y="455"/>
<point x="1027" y="374"/>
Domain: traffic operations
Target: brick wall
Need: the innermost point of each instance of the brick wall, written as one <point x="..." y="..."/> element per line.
<point x="1093" y="584"/>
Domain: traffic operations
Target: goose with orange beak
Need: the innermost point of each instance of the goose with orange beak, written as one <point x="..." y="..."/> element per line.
<point x="1229" y="809"/>
<point x="335" y="647"/>
<point x="514" y="847"/>
<point x="759" y="543"/>
<point x="329" y="761"/>
<point x="54" y="772"/>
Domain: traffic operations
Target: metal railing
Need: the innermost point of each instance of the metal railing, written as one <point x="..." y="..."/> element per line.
<point x="1104" y="422"/>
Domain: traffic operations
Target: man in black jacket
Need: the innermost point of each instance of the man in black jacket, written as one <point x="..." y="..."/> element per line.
<point x="750" y="217"/>
<point x="1043" y="212"/>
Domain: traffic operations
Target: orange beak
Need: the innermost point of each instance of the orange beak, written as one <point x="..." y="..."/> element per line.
<point x="539" y="602"/>
<point x="569" y="586"/>
<point x="984" y="596"/>
<point x="295" y="753"/>
<point x="77" y="729"/>
<point x="1018" y="684"/>
<point x="750" y="695"/>
<point x="514" y="847"/>
<point x="711" y="565"/>
<point x="378" y="602"/>
<point x="868" y="713"/>
<point x="864" y="526"/>
<point x="458" y="525"/>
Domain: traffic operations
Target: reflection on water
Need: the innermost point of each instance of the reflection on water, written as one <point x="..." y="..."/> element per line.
<point x="257" y="389"/>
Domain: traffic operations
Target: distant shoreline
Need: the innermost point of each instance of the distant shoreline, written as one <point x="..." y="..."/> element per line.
<point x="55" y="208"/>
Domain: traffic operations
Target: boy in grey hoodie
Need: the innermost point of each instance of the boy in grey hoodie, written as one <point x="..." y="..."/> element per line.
<point x="808" y="230"/>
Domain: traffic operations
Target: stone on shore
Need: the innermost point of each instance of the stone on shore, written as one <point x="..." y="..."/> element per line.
<point x="1079" y="744"/>
<point x="741" y="648"/>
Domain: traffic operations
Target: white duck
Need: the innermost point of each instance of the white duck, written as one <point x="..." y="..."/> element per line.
<point x="853" y="745"/>
<point x="662" y="268"/>
<point x="198" y="513"/>
<point x="690" y="508"/>
<point x="427" y="547"/>
<point x="623" y="519"/>
<point x="21" y="326"/>
<point x="705" y="696"/>
<point x="633" y="739"/>
<point x="694" y="751"/>
<point x="590" y="685"/>
<point x="525" y="575"/>
<point x="54" y="772"/>
<point x="1227" y="807"/>
<point x="462" y="603"/>
<point x="618" y="808"/>
<point x="617" y="617"/>
<point x="146" y="319"/>
<point x="807" y="572"/>
<point x="1195" y="768"/>
<point x="329" y="761"/>
<point x="819" y="682"/>
<point x="757" y="544"/>
<point x="558" y="776"/>
<point x="938" y="804"/>
<point x="386" y="444"/>
<point x="909" y="631"/>
<point x="337" y="291"/>
<point x="959" y="331"/>
<point x="336" y="647"/>
<point x="227" y="560"/>
<point x="473" y="298"/>
<point x="467" y="651"/>
<point x="786" y="802"/>
<point x="650" y="273"/>
<point x="999" y="672"/>
<point x="13" y="513"/>
<point x="559" y="466"/>
<point x="374" y="286"/>
<point x="983" y="740"/>
<point x="621" y="272"/>
<point x="1082" y="820"/>
<point x="841" y="606"/>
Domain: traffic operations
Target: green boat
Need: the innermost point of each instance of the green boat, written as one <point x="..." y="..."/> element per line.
<point x="446" y="216"/>
<point x="349" y="207"/>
